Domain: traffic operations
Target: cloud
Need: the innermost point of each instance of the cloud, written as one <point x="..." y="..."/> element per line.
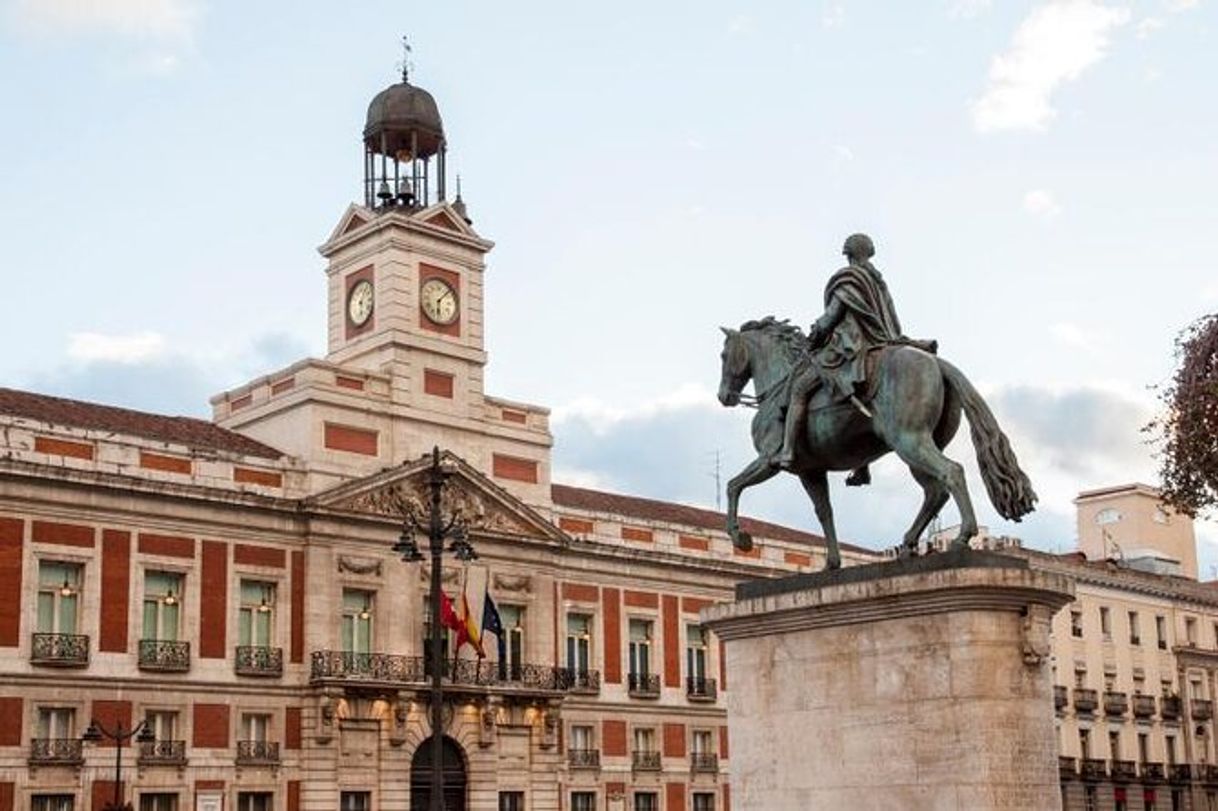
<point x="1054" y="44"/>
<point x="145" y="19"/>
<point x="1076" y="337"/>
<point x="740" y="24"/>
<point x="967" y="9"/>
<point x="1176" y="6"/>
<point x="1041" y="203"/>
<point x="91" y="347"/>
<point x="1147" y="27"/>
<point x="833" y="16"/>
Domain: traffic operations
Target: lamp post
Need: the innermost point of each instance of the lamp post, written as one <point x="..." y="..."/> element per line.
<point x="141" y="732"/>
<point x="438" y="528"/>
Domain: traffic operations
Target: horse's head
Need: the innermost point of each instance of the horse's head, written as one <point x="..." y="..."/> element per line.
<point x="736" y="369"/>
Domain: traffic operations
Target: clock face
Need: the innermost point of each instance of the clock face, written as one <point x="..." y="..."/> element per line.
<point x="359" y="303"/>
<point x="439" y="301"/>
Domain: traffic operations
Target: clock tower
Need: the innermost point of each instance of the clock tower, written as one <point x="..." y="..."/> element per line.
<point x="403" y="370"/>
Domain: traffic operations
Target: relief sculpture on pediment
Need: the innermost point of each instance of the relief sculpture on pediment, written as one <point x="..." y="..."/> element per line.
<point x="408" y="499"/>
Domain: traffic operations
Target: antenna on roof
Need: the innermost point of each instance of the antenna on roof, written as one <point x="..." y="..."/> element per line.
<point x="718" y="476"/>
<point x="405" y="64"/>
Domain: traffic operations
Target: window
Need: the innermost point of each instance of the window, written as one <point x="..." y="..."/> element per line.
<point x="581" y="738"/>
<point x="255" y="618"/>
<point x="646" y="801"/>
<point x="1190" y="631"/>
<point x="1114" y="745"/>
<point x="583" y="801"/>
<point x="1195" y="689"/>
<point x="1143" y="747"/>
<point x="1084" y="744"/>
<point x="356" y="801"/>
<point x="644" y="739"/>
<point x="1135" y="633"/>
<point x="255" y="801"/>
<point x="1080" y="679"/>
<point x="255" y="726"/>
<point x="511" y="801"/>
<point x="579" y="642"/>
<point x="703" y="743"/>
<point x="357" y="621"/>
<point x="704" y="801"/>
<point x="1161" y="632"/>
<point x="1170" y="742"/>
<point x="56" y="723"/>
<point x="52" y="802"/>
<point x="162" y="604"/>
<point x="640" y="647"/>
<point x="1139" y="684"/>
<point x="512" y="667"/>
<point x="158" y="802"/>
<point x="1076" y="624"/>
<point x="1105" y="623"/>
<point x="163" y="723"/>
<point x="58" y="597"/>
<point x="695" y="653"/>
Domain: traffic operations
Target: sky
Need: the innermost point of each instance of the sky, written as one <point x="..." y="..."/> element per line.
<point x="1038" y="178"/>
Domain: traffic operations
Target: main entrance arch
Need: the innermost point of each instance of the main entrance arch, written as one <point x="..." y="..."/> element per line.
<point x="453" y="774"/>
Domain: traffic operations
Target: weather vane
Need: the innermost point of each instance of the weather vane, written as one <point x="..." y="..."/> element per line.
<point x="405" y="64"/>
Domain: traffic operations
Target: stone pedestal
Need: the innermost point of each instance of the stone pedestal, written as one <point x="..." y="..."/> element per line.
<point x="912" y="684"/>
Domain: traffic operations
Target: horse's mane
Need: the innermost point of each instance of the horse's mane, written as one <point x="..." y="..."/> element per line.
<point x="790" y="337"/>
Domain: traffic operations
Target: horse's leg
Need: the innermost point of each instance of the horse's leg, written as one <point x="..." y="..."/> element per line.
<point x="935" y="495"/>
<point x="920" y="453"/>
<point x="817" y="485"/>
<point x="755" y="472"/>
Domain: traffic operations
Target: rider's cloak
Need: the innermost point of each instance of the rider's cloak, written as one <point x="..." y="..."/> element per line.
<point x="869" y="321"/>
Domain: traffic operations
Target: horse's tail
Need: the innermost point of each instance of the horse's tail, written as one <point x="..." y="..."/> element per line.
<point x="1008" y="486"/>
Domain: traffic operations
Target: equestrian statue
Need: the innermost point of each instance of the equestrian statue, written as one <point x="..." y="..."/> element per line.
<point x="853" y="389"/>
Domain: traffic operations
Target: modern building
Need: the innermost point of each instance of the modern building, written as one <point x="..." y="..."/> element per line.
<point x="232" y="585"/>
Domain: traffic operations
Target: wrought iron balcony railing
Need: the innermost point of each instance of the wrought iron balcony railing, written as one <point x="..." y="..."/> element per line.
<point x="258" y="660"/>
<point x="60" y="650"/>
<point x="1093" y="769"/>
<point x="1202" y="709"/>
<point x="253" y="753"/>
<point x="645" y="761"/>
<point x="1123" y="771"/>
<point x="162" y="753"/>
<point x="704" y="762"/>
<point x="388" y="668"/>
<point x="643" y="685"/>
<point x="1151" y="771"/>
<point x="1085" y="700"/>
<point x="1170" y="707"/>
<point x="1143" y="706"/>
<point x="1208" y="772"/>
<point x="1115" y="704"/>
<point x="584" y="758"/>
<point x="165" y="656"/>
<point x="584" y="681"/>
<point x="52" y="751"/>
<point x="1067" y="767"/>
<point x="1060" y="697"/>
<point x="1179" y="772"/>
<point x="700" y="688"/>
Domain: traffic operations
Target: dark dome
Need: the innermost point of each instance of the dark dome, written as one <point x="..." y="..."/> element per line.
<point x="396" y="113"/>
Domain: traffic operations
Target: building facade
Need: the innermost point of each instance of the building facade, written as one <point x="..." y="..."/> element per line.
<point x="231" y="584"/>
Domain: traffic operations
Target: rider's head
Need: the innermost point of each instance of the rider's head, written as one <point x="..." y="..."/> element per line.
<point x="859" y="248"/>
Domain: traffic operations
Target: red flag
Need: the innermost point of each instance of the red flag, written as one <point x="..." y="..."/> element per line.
<point x="448" y="616"/>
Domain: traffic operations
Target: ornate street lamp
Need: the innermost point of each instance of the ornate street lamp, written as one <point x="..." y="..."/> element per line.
<point x="141" y="732"/>
<point x="438" y="529"/>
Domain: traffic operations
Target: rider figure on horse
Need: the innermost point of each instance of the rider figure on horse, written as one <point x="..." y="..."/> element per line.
<point x="859" y="317"/>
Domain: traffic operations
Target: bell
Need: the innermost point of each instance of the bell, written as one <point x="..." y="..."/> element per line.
<point x="383" y="192"/>
<point x="404" y="193"/>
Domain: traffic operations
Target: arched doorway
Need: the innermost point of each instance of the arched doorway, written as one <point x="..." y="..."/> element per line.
<point x="452" y="768"/>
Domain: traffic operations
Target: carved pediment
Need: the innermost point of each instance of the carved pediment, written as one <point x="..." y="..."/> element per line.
<point x="403" y="492"/>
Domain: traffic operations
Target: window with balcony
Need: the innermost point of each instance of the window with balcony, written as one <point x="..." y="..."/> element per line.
<point x="645" y="756"/>
<point x="702" y="755"/>
<point x="255" y="801"/>
<point x="640" y="680"/>
<point x="583" y="801"/>
<point x="1169" y="744"/>
<point x="162" y="605"/>
<point x="1114" y="745"/>
<point x="697" y="683"/>
<point x="1135" y="632"/>
<point x="1105" y="623"/>
<point x="355" y="801"/>
<point x="256" y="654"/>
<point x="1084" y="744"/>
<point x="1076" y="624"/>
<point x="1161" y="632"/>
<point x="579" y="643"/>
<point x="1143" y="747"/>
<point x="55" y="738"/>
<point x="511" y="667"/>
<point x="56" y="641"/>
<point x="52" y="802"/>
<point x="166" y="748"/>
<point x="159" y="802"/>
<point x="646" y="801"/>
<point x="255" y="745"/>
<point x="356" y="623"/>
<point x="704" y="801"/>
<point x="511" y="801"/>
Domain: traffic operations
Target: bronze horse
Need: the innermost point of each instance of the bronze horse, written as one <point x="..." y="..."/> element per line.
<point x="914" y="411"/>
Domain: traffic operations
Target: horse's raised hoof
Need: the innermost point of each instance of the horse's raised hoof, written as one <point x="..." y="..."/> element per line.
<point x="960" y="543"/>
<point x="742" y="541"/>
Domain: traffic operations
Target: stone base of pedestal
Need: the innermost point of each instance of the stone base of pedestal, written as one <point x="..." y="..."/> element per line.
<point x="919" y="684"/>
